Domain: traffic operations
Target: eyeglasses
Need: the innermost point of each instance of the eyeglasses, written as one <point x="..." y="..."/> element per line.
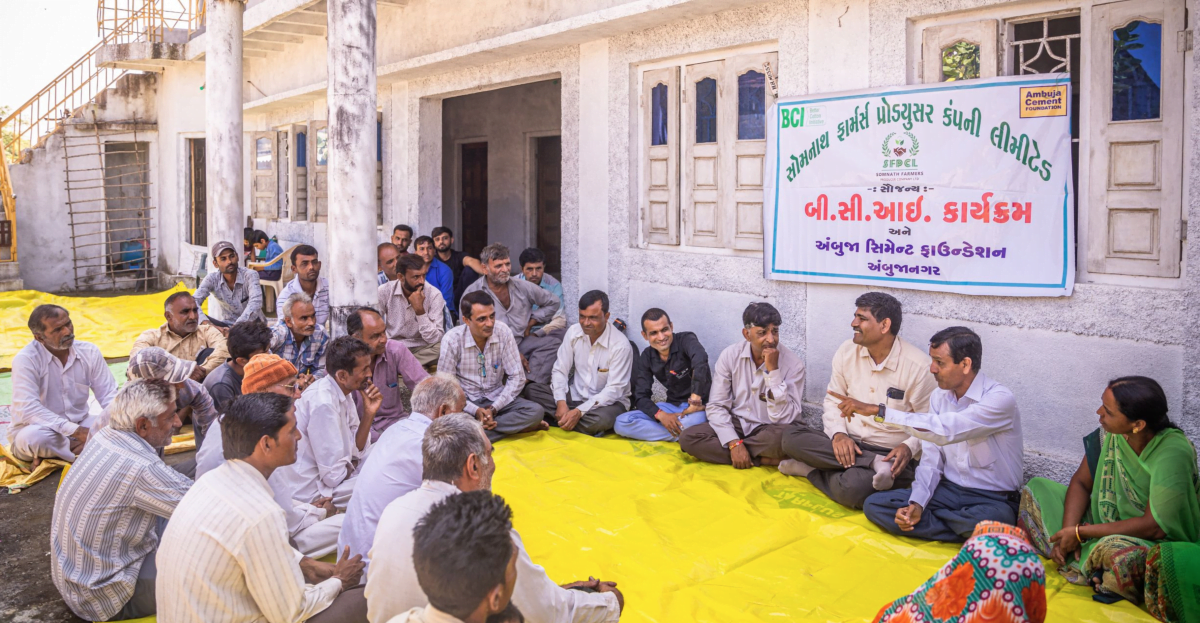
<point x="482" y="365"/>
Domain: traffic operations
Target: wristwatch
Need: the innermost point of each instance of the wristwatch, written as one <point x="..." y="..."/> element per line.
<point x="881" y="417"/>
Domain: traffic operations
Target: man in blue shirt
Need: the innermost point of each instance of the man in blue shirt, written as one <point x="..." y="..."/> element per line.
<point x="438" y="274"/>
<point x="268" y="250"/>
<point x="533" y="270"/>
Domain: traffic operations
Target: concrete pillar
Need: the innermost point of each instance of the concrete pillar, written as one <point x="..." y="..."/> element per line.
<point x="352" y="117"/>
<point x="593" y="170"/>
<point x="223" y="121"/>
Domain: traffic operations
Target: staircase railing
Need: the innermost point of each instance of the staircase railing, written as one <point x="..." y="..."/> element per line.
<point x="154" y="21"/>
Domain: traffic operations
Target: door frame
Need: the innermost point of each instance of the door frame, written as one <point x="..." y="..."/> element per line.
<point x="189" y="254"/>
<point x="531" y="139"/>
<point x="456" y="190"/>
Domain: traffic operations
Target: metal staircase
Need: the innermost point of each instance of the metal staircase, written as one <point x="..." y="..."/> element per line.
<point x="65" y="100"/>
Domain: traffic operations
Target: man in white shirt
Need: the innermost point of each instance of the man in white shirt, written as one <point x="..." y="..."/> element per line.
<point x="602" y="360"/>
<point x="457" y="457"/>
<point x="336" y="439"/>
<point x="413" y="312"/>
<point x="225" y="555"/>
<point x="757" y="390"/>
<point x="313" y="525"/>
<point x="971" y="444"/>
<point x="394" y="467"/>
<point x="51" y="378"/>
<point x="483" y="356"/>
<point x="466" y="562"/>
<point x="849" y="461"/>
<point x="307" y="266"/>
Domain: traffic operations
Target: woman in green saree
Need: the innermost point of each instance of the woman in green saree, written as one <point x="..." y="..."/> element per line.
<point x="1129" y="523"/>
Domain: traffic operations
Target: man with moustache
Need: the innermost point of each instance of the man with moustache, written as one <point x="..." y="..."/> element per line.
<point x="236" y="288"/>
<point x="182" y="335"/>
<point x="680" y="363"/>
<point x="51" y="379"/>
<point x="437" y="274"/>
<point x="515" y="300"/>
<point x="386" y="256"/>
<point x="849" y="461"/>
<point x="402" y="236"/>
<point x="757" y="389"/>
<point x="307" y="266"/>
<point x="300" y="339"/>
<point x="414" y="313"/>
<point x="336" y="438"/>
<point x="972" y="448"/>
<point x="393" y="366"/>
<point x="443" y="242"/>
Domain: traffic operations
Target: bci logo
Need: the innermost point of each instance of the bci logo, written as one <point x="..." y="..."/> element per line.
<point x="801" y="116"/>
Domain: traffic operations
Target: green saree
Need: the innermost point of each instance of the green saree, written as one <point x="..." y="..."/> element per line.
<point x="1164" y="476"/>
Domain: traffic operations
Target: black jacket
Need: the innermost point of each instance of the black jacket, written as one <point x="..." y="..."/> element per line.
<point x="685" y="372"/>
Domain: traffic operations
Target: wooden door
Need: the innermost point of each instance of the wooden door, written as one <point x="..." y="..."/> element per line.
<point x="474" y="193"/>
<point x="549" y="201"/>
<point x="703" y="204"/>
<point x="298" y="180"/>
<point x="744" y="139"/>
<point x="1136" y="149"/>
<point x="198" y="210"/>
<point x="318" y="167"/>
<point x="265" y="175"/>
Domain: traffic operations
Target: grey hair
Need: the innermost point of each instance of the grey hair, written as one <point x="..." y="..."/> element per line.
<point x="494" y="251"/>
<point x="298" y="297"/>
<point x="448" y="442"/>
<point x="435" y="391"/>
<point x="141" y="398"/>
<point x="37" y="320"/>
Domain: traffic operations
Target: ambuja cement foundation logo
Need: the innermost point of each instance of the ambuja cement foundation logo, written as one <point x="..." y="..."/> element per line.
<point x="900" y="150"/>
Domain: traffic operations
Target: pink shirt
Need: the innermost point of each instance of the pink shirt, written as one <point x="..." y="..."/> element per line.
<point x="396" y="367"/>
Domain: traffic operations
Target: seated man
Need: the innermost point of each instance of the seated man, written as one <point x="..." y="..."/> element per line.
<point x="850" y="460"/>
<point x="679" y="362"/>
<point x="225" y="555"/>
<point x="394" y="369"/>
<point x="443" y="241"/>
<point x="190" y="397"/>
<point x="182" y="335"/>
<point x="244" y="341"/>
<point x="108" y="510"/>
<point x="394" y="467"/>
<point x="235" y="288"/>
<point x="313" y="528"/>
<point x="465" y="561"/>
<point x="335" y="437"/>
<point x="456" y="457"/>
<point x="756" y="392"/>
<point x="51" y="378"/>
<point x="480" y="353"/>
<point x="300" y="338"/>
<point x="386" y="255"/>
<point x="972" y="452"/>
<point x="402" y="236"/>
<point x="437" y="273"/>
<point x="267" y="250"/>
<point x="307" y="266"/>
<point x="517" y="299"/>
<point x="598" y="358"/>
<point x="413" y="312"/>
<point x="533" y="270"/>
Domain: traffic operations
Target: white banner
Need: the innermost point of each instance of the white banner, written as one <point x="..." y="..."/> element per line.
<point x="953" y="187"/>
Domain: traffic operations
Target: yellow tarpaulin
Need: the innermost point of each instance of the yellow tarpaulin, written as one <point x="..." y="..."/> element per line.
<point x="688" y="541"/>
<point x="111" y="323"/>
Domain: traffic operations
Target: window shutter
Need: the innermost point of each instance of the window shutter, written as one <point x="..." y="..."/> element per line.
<point x="949" y="52"/>
<point x="264" y="170"/>
<point x="298" y="181"/>
<point x="1135" y="183"/>
<point x="744" y="145"/>
<point x="705" y="117"/>
<point x="660" y="162"/>
<point x="318" y="167"/>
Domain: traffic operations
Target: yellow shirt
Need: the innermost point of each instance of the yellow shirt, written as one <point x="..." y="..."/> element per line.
<point x="186" y="348"/>
<point x="856" y="375"/>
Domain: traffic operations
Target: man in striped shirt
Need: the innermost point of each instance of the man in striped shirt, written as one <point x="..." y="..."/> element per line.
<point x="225" y="555"/>
<point x="481" y="353"/>
<point x="108" y="512"/>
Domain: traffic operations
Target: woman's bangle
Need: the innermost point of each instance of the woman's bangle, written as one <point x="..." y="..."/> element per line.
<point x="1077" y="538"/>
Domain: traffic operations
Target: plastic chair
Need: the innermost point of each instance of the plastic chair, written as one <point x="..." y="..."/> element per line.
<point x="271" y="289"/>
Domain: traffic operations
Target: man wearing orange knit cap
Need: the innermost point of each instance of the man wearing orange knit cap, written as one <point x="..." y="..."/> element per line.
<point x="312" y="527"/>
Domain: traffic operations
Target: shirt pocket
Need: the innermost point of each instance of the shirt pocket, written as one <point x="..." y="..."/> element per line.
<point x="980" y="452"/>
<point x="77" y="401"/>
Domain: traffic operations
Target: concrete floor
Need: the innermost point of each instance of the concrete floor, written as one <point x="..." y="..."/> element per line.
<point x="27" y="595"/>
